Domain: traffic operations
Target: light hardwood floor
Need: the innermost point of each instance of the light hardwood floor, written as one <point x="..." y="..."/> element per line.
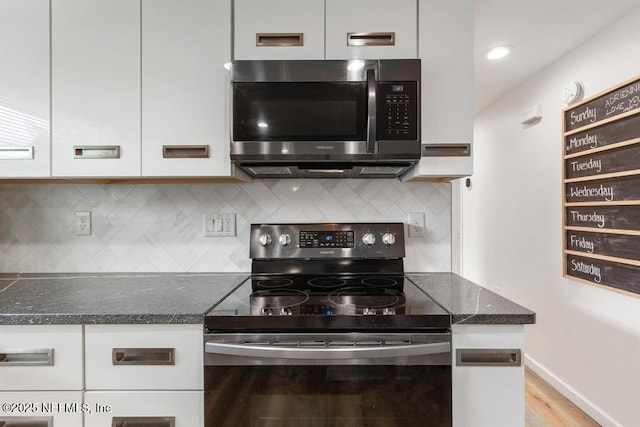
<point x="547" y="407"/>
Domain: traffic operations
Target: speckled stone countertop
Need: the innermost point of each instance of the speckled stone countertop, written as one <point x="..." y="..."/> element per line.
<point x="183" y="298"/>
<point x="29" y="299"/>
<point x="469" y="303"/>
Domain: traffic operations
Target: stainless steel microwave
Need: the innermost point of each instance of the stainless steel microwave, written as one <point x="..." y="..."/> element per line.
<point x="351" y="118"/>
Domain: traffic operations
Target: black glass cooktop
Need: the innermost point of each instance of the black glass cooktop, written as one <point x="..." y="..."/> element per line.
<point x="325" y="302"/>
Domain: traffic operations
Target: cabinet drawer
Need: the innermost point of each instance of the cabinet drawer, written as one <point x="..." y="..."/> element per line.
<point x="143" y="357"/>
<point x="165" y="409"/>
<point x="41" y="357"/>
<point x="42" y="409"/>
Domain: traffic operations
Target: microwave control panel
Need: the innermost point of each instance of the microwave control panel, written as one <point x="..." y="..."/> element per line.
<point x="397" y="111"/>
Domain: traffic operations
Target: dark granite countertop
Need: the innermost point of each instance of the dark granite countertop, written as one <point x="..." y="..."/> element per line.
<point x="183" y="298"/>
<point x="470" y="303"/>
<point x="30" y="299"/>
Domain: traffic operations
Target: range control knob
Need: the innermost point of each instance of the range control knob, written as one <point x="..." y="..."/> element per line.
<point x="285" y="311"/>
<point x="388" y="239"/>
<point x="266" y="312"/>
<point x="368" y="239"/>
<point x="284" y="239"/>
<point x="265" y="240"/>
<point x="369" y="311"/>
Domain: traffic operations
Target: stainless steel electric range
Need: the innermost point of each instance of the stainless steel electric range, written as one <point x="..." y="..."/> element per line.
<point x="327" y="331"/>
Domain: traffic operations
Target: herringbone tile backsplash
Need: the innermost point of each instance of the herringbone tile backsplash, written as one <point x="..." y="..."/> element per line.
<point x="159" y="227"/>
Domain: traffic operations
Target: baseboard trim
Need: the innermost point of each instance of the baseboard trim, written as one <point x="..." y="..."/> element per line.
<point x="593" y="410"/>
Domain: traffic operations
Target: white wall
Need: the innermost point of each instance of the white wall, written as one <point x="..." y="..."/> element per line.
<point x="586" y="340"/>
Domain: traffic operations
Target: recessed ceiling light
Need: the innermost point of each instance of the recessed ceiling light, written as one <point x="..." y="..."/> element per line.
<point x="498" y="52"/>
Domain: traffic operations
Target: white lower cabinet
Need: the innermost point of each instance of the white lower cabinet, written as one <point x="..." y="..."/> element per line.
<point x="46" y="357"/>
<point x="488" y="375"/>
<point x="143" y="357"/>
<point x="41" y="409"/>
<point x="144" y="375"/>
<point x="152" y="408"/>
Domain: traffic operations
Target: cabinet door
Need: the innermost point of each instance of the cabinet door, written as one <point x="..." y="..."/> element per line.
<point x="43" y="357"/>
<point x="185" y="46"/>
<point x="96" y="88"/>
<point x="485" y="395"/>
<point x="42" y="409"/>
<point x="24" y="89"/>
<point x="279" y="29"/>
<point x="371" y="29"/>
<point x="152" y="408"/>
<point x="446" y="51"/>
<point x="144" y="357"/>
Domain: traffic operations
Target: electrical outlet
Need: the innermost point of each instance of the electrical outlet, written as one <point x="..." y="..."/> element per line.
<point x="417" y="225"/>
<point x="219" y="225"/>
<point x="83" y="223"/>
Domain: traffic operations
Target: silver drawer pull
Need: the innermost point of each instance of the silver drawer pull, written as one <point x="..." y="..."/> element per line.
<point x="143" y="422"/>
<point x="446" y="150"/>
<point x="185" y="151"/>
<point x="143" y="356"/>
<point x="16" y="153"/>
<point x="279" y="39"/>
<point x="371" y="39"/>
<point x="26" y="357"/>
<point x="96" y="151"/>
<point x="26" y="422"/>
<point x="488" y="357"/>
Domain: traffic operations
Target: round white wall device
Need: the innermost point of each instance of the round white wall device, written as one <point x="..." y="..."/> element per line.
<point x="572" y="92"/>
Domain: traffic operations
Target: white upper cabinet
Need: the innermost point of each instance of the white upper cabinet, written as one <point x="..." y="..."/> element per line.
<point x="279" y="29"/>
<point x="325" y="29"/>
<point x="371" y="29"/>
<point x="24" y="89"/>
<point x="185" y="45"/>
<point x="446" y="51"/>
<point x="95" y="88"/>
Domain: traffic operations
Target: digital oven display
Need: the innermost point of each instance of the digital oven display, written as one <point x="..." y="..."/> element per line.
<point x="326" y="239"/>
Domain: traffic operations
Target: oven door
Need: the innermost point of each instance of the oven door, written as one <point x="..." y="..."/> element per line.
<point x="327" y="380"/>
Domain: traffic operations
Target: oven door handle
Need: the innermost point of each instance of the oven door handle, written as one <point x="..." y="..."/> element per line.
<point x="327" y="353"/>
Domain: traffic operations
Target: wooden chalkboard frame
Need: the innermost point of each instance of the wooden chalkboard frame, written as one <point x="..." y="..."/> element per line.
<point x="600" y="148"/>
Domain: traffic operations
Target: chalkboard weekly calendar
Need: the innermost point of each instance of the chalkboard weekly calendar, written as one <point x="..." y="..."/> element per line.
<point x="601" y="189"/>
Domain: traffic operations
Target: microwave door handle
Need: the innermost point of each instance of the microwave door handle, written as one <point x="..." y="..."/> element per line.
<point x="371" y="116"/>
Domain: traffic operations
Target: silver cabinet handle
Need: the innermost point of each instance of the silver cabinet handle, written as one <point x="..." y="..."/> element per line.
<point x="26" y="357"/>
<point x="279" y="39"/>
<point x="446" y="150"/>
<point x="16" y="153"/>
<point x="96" y="151"/>
<point x="488" y="357"/>
<point x="143" y="356"/>
<point x="332" y="353"/>
<point x="185" y="151"/>
<point x="143" y="422"/>
<point x="26" y="422"/>
<point x="371" y="39"/>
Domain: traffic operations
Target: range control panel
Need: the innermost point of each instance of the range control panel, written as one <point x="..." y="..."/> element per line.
<point x="327" y="240"/>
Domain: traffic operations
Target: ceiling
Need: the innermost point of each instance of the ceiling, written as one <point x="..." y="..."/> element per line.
<point x="541" y="32"/>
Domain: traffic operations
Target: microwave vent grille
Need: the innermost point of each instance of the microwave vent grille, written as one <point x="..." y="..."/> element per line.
<point x="381" y="170"/>
<point x="269" y="170"/>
